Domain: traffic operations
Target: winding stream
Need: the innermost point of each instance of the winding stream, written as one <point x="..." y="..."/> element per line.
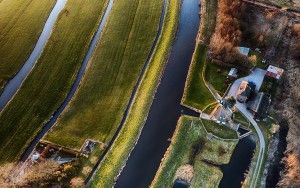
<point x="75" y="85"/>
<point x="15" y="83"/>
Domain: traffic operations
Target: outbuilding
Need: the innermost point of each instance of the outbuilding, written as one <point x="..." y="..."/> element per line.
<point x="274" y="72"/>
<point x="233" y="73"/>
<point x="244" y="50"/>
<point x="259" y="106"/>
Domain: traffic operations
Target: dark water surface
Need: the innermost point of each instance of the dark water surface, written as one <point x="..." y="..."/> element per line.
<point x="166" y="109"/>
<point x="233" y="172"/>
<point x="277" y="166"/>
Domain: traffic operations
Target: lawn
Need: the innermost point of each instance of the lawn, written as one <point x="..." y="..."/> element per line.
<point x="189" y="134"/>
<point x="196" y="94"/>
<point x="206" y="176"/>
<point x="116" y="157"/>
<point x="21" y="22"/>
<point x="258" y="59"/>
<point x="219" y="130"/>
<point x="97" y="108"/>
<point x="216" y="75"/>
<point x="47" y="85"/>
<point x="240" y="118"/>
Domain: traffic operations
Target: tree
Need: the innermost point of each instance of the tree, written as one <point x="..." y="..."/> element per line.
<point x="227" y="33"/>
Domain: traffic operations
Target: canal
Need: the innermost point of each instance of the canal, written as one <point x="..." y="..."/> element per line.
<point x="166" y="109"/>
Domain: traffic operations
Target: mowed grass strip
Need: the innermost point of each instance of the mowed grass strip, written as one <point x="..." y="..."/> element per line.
<point x="196" y="94"/>
<point x="189" y="134"/>
<point x="47" y="85"/>
<point x="97" y="109"/>
<point x="21" y="23"/>
<point x="124" y="143"/>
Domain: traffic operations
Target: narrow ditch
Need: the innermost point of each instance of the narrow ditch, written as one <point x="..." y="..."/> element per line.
<point x="16" y="82"/>
<point x="74" y="87"/>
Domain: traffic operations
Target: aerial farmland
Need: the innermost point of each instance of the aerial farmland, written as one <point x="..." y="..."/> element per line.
<point x="139" y="93"/>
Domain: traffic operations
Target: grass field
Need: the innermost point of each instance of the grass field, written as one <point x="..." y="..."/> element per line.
<point x="217" y="76"/>
<point x="196" y="94"/>
<point x="116" y="157"/>
<point x="219" y="130"/>
<point x="190" y="134"/>
<point x="21" y="23"/>
<point x="46" y="87"/>
<point x="98" y="106"/>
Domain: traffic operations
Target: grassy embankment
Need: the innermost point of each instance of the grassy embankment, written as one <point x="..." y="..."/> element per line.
<point x="220" y="131"/>
<point x="47" y="85"/>
<point x="189" y="135"/>
<point x="196" y="94"/>
<point x="266" y="128"/>
<point x="98" y="107"/>
<point x="21" y="23"/>
<point x="115" y="158"/>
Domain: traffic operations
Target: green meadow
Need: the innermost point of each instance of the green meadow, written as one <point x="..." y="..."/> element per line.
<point x="21" y="23"/>
<point x="97" y="108"/>
<point x="50" y="80"/>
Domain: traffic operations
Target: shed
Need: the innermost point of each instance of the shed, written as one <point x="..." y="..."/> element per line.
<point x="274" y="72"/>
<point x="233" y="73"/>
<point x="244" y="50"/>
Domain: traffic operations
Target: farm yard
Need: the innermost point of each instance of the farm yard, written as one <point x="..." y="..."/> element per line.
<point x="21" y="24"/>
<point x="45" y="88"/>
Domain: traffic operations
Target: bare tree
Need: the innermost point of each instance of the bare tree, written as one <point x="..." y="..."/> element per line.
<point x="44" y="172"/>
<point x="227" y="33"/>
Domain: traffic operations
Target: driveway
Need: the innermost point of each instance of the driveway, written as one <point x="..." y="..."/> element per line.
<point x="262" y="144"/>
<point x="256" y="76"/>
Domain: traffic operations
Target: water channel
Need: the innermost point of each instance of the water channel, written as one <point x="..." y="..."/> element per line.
<point x="74" y="87"/>
<point x="166" y="109"/>
<point x="15" y="83"/>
